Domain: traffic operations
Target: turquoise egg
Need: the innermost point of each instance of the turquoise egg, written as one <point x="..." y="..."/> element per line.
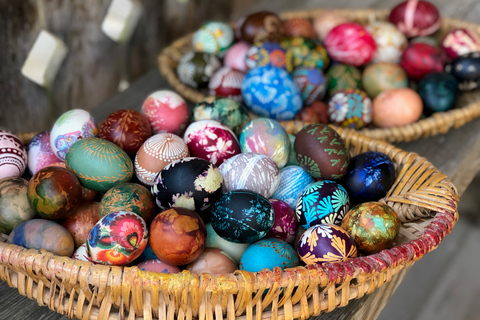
<point x="293" y="181"/>
<point x="213" y="37"/>
<point x="268" y="253"/>
<point x="292" y="155"/>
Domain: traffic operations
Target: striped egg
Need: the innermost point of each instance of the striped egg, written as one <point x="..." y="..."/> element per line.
<point x="293" y="180"/>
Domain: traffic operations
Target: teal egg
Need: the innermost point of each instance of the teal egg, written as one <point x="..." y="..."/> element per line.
<point x="438" y="91"/>
<point x="213" y="37"/>
<point x="14" y="204"/>
<point x="234" y="250"/>
<point x="268" y="253"/>
<point x="292" y="155"/>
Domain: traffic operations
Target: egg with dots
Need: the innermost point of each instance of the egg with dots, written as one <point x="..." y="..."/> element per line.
<point x="415" y="18"/>
<point x="397" y="107"/>
<point x="263" y="54"/>
<point x="13" y="156"/>
<point x="351" y="108"/>
<point x="466" y="69"/>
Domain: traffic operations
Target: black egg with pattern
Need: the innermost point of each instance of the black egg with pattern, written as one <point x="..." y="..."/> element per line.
<point x="466" y="68"/>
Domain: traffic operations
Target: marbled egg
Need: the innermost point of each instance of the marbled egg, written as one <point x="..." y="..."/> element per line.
<point x="235" y="56"/>
<point x="177" y="236"/>
<point x="234" y="250"/>
<point x="156" y="265"/>
<point x="81" y="254"/>
<point x="82" y="221"/>
<point x="269" y="253"/>
<point x="324" y="22"/>
<point x="213" y="37"/>
<point x="382" y="76"/>
<point x="268" y="137"/>
<point x="311" y="82"/>
<point x="343" y="77"/>
<point x="466" y="69"/>
<point x="14" y="204"/>
<point x="396" y="107"/>
<point x="293" y="180"/>
<point x="285" y="224"/>
<point x="262" y="54"/>
<point x="299" y="27"/>
<point x="438" y="91"/>
<point x="390" y="42"/>
<point x="13" y="156"/>
<point x="117" y="239"/>
<point x="251" y="171"/>
<point x="99" y="164"/>
<point x="227" y="82"/>
<point x="322" y="152"/>
<point x="43" y="234"/>
<point x="242" y="216"/>
<point x="306" y="53"/>
<point x="72" y="126"/>
<point x="40" y="152"/>
<point x="351" y="108"/>
<point x="460" y="41"/>
<point x="196" y="68"/>
<point x="420" y="59"/>
<point x="212" y="261"/>
<point x="271" y="92"/>
<point x="358" y="50"/>
<point x="127" y="128"/>
<point x="261" y="26"/>
<point x="317" y="112"/>
<point x="211" y="140"/>
<point x="325" y="243"/>
<point x="415" y="18"/>
<point x="156" y="153"/>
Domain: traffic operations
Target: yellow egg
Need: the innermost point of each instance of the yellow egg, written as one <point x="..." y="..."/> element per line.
<point x="397" y="107"/>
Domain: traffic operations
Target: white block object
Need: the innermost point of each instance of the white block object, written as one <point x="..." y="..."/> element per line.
<point x="44" y="59"/>
<point x="121" y="19"/>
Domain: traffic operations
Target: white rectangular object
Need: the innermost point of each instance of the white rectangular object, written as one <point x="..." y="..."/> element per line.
<point x="121" y="19"/>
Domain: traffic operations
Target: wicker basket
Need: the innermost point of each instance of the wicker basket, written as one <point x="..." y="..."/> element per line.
<point x="424" y="198"/>
<point x="468" y="105"/>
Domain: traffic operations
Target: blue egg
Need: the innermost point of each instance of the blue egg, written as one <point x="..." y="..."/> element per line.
<point x="147" y="254"/>
<point x="270" y="92"/>
<point x="268" y="253"/>
<point x="293" y="180"/>
<point x="311" y="82"/>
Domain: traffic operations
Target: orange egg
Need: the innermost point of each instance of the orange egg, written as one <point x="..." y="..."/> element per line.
<point x="397" y="107"/>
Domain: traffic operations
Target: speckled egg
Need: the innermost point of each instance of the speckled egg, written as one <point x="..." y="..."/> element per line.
<point x="156" y="265"/>
<point x="382" y="76"/>
<point x="324" y="22"/>
<point x="43" y="234"/>
<point x="269" y="253"/>
<point x="369" y="177"/>
<point x="127" y="128"/>
<point x="268" y="137"/>
<point x="40" y="152"/>
<point x="460" y="41"/>
<point x="261" y="26"/>
<point x="358" y="50"/>
<point x="13" y="156"/>
<point x="235" y="56"/>
<point x="292" y="155"/>
<point x="390" y="41"/>
<point x="82" y="221"/>
<point x="466" y="69"/>
<point x="211" y="140"/>
<point x="81" y="254"/>
<point x="372" y="225"/>
<point x="322" y="152"/>
<point x="242" y="216"/>
<point x="72" y="126"/>
<point x="212" y="261"/>
<point x="438" y="91"/>
<point x="227" y="82"/>
<point x="177" y="236"/>
<point x="351" y="108"/>
<point x="299" y="27"/>
<point x="213" y="37"/>
<point x="196" y="68"/>
<point x="156" y="153"/>
<point x="420" y="59"/>
<point x="343" y="77"/>
<point x="306" y="53"/>
<point x="293" y="180"/>
<point x="311" y="82"/>
<point x="271" y="92"/>
<point x="285" y="223"/>
<point x="117" y="239"/>
<point x="317" y="112"/>
<point x="396" y="107"/>
<point x="14" y="204"/>
<point x="263" y="54"/>
<point x="415" y="18"/>
<point x="234" y="250"/>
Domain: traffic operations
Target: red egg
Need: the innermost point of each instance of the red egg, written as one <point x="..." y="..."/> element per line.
<point x="212" y="261"/>
<point x="420" y="59"/>
<point x="458" y="42"/>
<point x="416" y="18"/>
<point x="299" y="27"/>
<point x="285" y="224"/>
<point x="262" y="26"/>
<point x="82" y="221"/>
<point x="227" y="82"/>
<point x="317" y="112"/>
<point x="235" y="56"/>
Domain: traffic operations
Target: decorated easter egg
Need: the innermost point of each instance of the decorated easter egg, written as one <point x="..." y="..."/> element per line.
<point x="81" y="254"/>
<point x="224" y="110"/>
<point x="43" y="234"/>
<point x="466" y="69"/>
<point x="212" y="261"/>
<point x="306" y="53"/>
<point x="196" y="68"/>
<point x="325" y="243"/>
<point x="16" y="207"/>
<point x="285" y="223"/>
<point x="321" y="152"/>
<point x="390" y="42"/>
<point x="211" y="140"/>
<point x="311" y="82"/>
<point x="396" y="107"/>
<point x="54" y="193"/>
<point x="191" y="183"/>
<point x="227" y="82"/>
<point x="147" y="254"/>
<point x="317" y="112"/>
<point x="299" y="27"/>
<point x="292" y="155"/>
<point x="235" y="56"/>
<point x="268" y="137"/>
<point x="293" y="180"/>
<point x="438" y="92"/>
<point x="242" y="216"/>
<point x="72" y="126"/>
<point x="351" y="108"/>
<point x="358" y="50"/>
<point x="81" y="221"/>
<point x="117" y="239"/>
<point x="420" y="59"/>
<point x="343" y="77"/>
<point x="271" y="92"/>
<point x="460" y="41"/>
<point x="156" y="265"/>
<point x="379" y="77"/>
<point x="261" y="26"/>
<point x="177" y="236"/>
<point x="99" y="164"/>
<point x="269" y="253"/>
<point x="369" y="177"/>
<point x="40" y="152"/>
<point x="213" y="37"/>
<point x="13" y="156"/>
<point x="415" y="18"/>
<point x="155" y="153"/>
<point x="128" y="197"/>
<point x="263" y="54"/>
<point x="234" y="250"/>
<point x="372" y="225"/>
<point x="127" y="128"/>
<point x="324" y="22"/>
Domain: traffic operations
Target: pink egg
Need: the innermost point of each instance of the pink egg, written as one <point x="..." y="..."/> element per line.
<point x="156" y="265"/>
<point x="13" y="156"/>
<point x="213" y="261"/>
<point x="166" y="111"/>
<point x="397" y="107"/>
<point x="326" y="21"/>
<point x="235" y="56"/>
<point x="285" y="224"/>
<point x="416" y="18"/>
<point x="227" y="82"/>
<point x="40" y="152"/>
<point x="460" y="41"/>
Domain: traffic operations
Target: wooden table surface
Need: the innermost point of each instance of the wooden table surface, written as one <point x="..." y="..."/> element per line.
<point x="456" y="153"/>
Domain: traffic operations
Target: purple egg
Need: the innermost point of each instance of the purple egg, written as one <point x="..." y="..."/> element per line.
<point x="285" y="223"/>
<point x="40" y="152"/>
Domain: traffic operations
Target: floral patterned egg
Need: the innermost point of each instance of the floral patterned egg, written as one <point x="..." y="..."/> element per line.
<point x="213" y="37"/>
<point x="311" y="82"/>
<point x="268" y="137"/>
<point x="285" y="224"/>
<point x="325" y="243"/>
<point x="117" y="239"/>
<point x="299" y="27"/>
<point x="439" y="91"/>
<point x="415" y="18"/>
<point x="72" y="126"/>
<point x="389" y="40"/>
<point x="156" y="265"/>
<point x="324" y="22"/>
<point x="460" y="41"/>
<point x="269" y="253"/>
<point x="40" y="152"/>
<point x="293" y="181"/>
<point x="358" y="50"/>
<point x="271" y="92"/>
<point x="158" y="151"/>
<point x="306" y="53"/>
<point x="251" y="171"/>
<point x="14" y="204"/>
<point x="227" y="82"/>
<point x="87" y="194"/>
<point x="263" y="54"/>
<point x="379" y="77"/>
<point x="81" y="254"/>
<point x="196" y="68"/>
<point x="211" y="140"/>
<point x="343" y="77"/>
<point x="466" y="69"/>
<point x="81" y="221"/>
<point x="261" y="26"/>
<point x="235" y="56"/>
<point x="420" y="59"/>
<point x="350" y="108"/>
<point x="242" y="216"/>
<point x="13" y="156"/>
<point x="234" y="250"/>
<point x="212" y="261"/>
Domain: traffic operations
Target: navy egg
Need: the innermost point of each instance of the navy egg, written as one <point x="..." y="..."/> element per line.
<point x="466" y="68"/>
<point x="369" y="177"/>
<point x="242" y="216"/>
<point x="438" y="92"/>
